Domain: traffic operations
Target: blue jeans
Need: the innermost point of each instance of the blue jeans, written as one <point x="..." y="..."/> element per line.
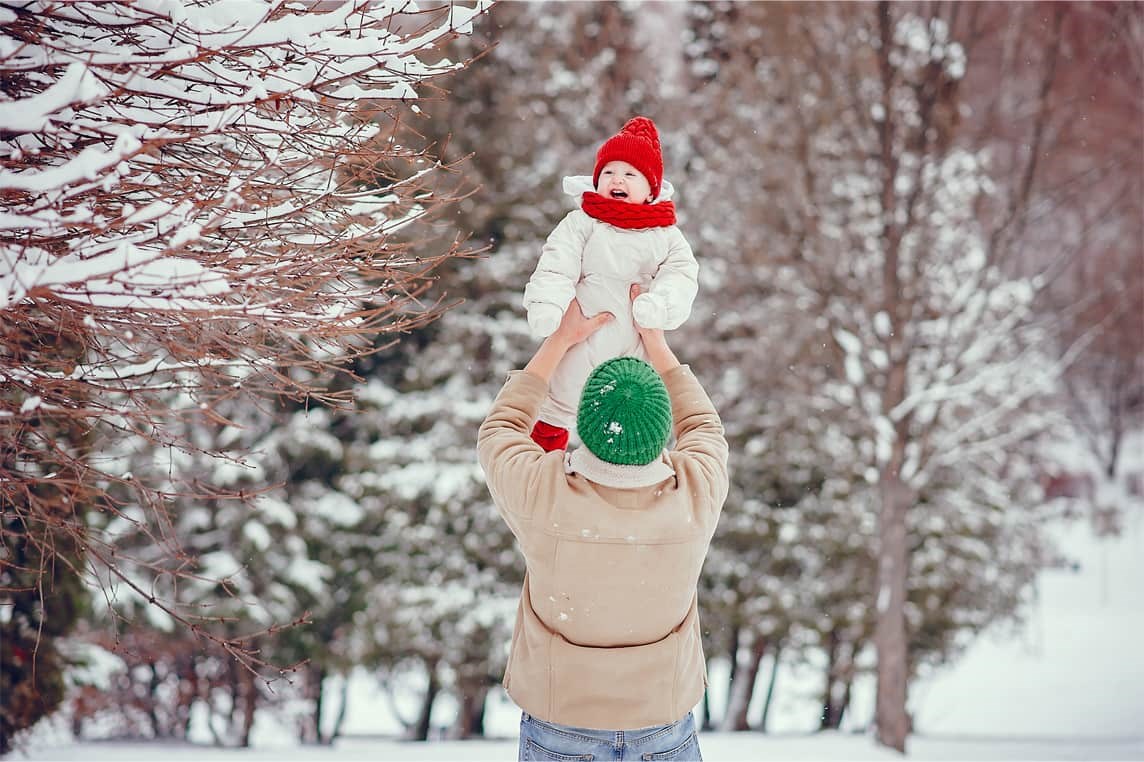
<point x="547" y="741"/>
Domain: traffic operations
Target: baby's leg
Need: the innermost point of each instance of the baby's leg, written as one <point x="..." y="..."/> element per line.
<point x="550" y="437"/>
<point x="557" y="414"/>
<point x="565" y="386"/>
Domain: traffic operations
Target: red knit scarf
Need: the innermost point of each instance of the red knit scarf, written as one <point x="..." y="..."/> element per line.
<point x="625" y="215"/>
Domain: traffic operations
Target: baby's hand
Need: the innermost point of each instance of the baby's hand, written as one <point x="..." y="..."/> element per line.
<point x="654" y="340"/>
<point x="649" y="311"/>
<point x="640" y="302"/>
<point x="544" y="319"/>
<point x="575" y="327"/>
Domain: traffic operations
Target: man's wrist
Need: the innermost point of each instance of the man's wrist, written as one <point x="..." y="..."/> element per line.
<point x="558" y="343"/>
<point x="548" y="355"/>
<point x="662" y="359"/>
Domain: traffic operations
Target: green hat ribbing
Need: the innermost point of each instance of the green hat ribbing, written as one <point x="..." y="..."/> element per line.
<point x="625" y="412"/>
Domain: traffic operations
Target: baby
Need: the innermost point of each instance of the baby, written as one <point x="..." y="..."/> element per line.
<point x="623" y="234"/>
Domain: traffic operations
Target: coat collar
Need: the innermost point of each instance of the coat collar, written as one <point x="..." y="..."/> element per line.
<point x="582" y="461"/>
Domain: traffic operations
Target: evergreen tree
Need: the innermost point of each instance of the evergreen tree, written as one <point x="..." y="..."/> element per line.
<point x="533" y="109"/>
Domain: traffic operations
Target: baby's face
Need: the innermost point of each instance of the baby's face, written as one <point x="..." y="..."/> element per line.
<point x="620" y="180"/>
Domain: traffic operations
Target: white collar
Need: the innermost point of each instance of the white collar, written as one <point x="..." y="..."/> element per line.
<point x="584" y="462"/>
<point x="578" y="185"/>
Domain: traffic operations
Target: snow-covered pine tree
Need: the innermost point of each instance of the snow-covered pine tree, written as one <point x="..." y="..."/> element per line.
<point x="181" y="229"/>
<point x="797" y="526"/>
<point x="453" y="559"/>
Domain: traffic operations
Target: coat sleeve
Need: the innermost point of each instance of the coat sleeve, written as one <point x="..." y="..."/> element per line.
<point x="553" y="282"/>
<point x="701" y="450"/>
<point x="513" y="464"/>
<point x="667" y="303"/>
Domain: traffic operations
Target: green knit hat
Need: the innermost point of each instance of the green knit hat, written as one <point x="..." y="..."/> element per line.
<point x="625" y="412"/>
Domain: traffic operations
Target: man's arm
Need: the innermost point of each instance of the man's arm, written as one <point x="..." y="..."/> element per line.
<point x="507" y="454"/>
<point x="573" y="329"/>
<point x="700" y="442"/>
<point x="659" y="354"/>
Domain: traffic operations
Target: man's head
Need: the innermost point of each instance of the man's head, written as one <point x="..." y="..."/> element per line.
<point x="636" y="145"/>
<point x="625" y="412"/>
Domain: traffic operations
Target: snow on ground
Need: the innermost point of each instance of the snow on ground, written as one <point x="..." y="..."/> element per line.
<point x="729" y="747"/>
<point x="1075" y="669"/>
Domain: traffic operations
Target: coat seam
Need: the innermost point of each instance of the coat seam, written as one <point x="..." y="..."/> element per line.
<point x="552" y="645"/>
<point x="551" y="681"/>
<point x="675" y="672"/>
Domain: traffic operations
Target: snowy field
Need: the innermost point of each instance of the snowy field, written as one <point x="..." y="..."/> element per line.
<point x="1069" y="685"/>
<point x="744" y="747"/>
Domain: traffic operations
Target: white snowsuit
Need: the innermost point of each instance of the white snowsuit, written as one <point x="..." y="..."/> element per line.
<point x="597" y="263"/>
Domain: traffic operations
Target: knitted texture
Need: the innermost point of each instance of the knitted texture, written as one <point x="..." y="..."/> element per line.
<point x="625" y="412"/>
<point x="637" y="144"/>
<point x="625" y="215"/>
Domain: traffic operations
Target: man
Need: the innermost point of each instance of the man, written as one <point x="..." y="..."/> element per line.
<point x="606" y="658"/>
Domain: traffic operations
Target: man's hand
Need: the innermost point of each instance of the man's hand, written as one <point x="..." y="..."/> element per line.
<point x="655" y="342"/>
<point x="573" y="329"/>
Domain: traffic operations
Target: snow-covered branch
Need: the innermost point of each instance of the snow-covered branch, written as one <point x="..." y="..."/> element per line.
<point x="201" y="202"/>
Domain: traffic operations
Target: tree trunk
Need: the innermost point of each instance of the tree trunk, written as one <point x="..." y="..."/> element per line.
<point x="842" y="707"/>
<point x="199" y="694"/>
<point x="890" y="633"/>
<point x="732" y="672"/>
<point x="249" y="703"/>
<point x="188" y="690"/>
<point x="153" y="703"/>
<point x="315" y="691"/>
<point x="708" y="725"/>
<point x="838" y="699"/>
<point x="771" y="688"/>
<point x="234" y="679"/>
<point x="736" y="718"/>
<point x="471" y="714"/>
<point x="421" y="729"/>
<point x="839" y="677"/>
<point x="478" y="716"/>
<point x="336" y="732"/>
<point x="824" y="720"/>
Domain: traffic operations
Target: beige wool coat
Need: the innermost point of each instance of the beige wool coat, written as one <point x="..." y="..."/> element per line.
<point x="607" y="632"/>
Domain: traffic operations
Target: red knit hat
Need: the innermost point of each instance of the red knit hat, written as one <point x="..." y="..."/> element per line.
<point x="637" y="144"/>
